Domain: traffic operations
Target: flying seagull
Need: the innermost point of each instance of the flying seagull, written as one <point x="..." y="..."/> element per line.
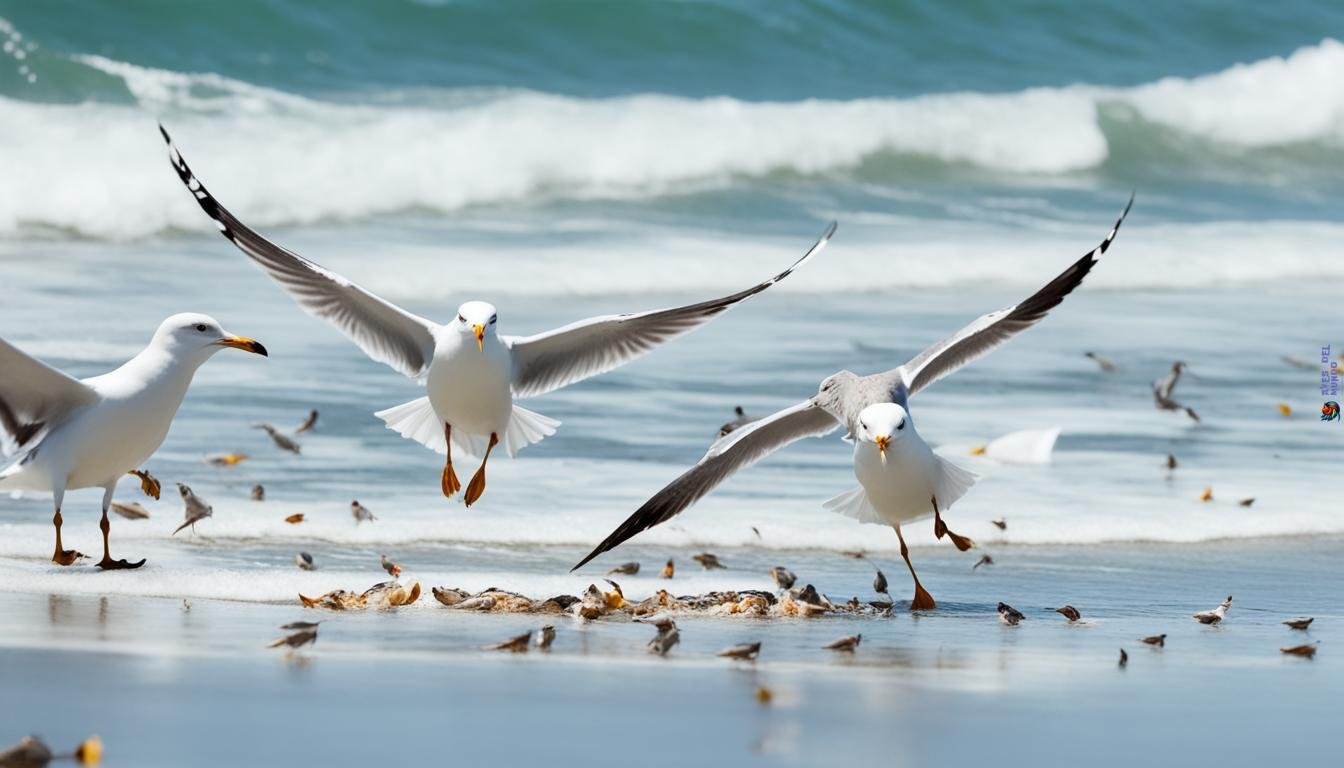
<point x="901" y="478"/>
<point x="1162" y="389"/>
<point x="469" y="405"/>
<point x="62" y="433"/>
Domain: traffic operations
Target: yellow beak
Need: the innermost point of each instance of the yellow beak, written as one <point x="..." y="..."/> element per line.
<point x="480" y="336"/>
<point x="245" y="344"/>
<point x="882" y="442"/>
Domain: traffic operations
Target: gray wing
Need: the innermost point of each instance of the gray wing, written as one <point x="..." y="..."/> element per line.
<point x="33" y="397"/>
<point x="982" y="336"/>
<point x="387" y="333"/>
<point x="738" y="449"/>
<point x="548" y="361"/>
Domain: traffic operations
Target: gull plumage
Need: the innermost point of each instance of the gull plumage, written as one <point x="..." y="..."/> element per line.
<point x="62" y="433"/>
<point x="901" y="478"/>
<point x="472" y="374"/>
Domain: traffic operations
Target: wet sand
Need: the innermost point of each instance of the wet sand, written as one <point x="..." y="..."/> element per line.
<point x="954" y="687"/>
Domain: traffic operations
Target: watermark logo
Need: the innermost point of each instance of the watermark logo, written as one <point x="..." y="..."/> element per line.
<point x="1329" y="385"/>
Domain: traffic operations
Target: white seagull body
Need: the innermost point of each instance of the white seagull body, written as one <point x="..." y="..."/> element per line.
<point x="64" y="433"/>
<point x="471" y="374"/>
<point x="900" y="478"/>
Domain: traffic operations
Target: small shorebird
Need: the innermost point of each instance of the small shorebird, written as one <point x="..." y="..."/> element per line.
<point x="194" y="509"/>
<point x="625" y="569"/>
<point x="61" y="433"/>
<point x="360" y="513"/>
<point x="1069" y="612"/>
<point x="1246" y="502"/>
<point x="308" y="423"/>
<point x="1171" y="462"/>
<point x="880" y="584"/>
<point x="1010" y="615"/>
<point x="845" y="644"/>
<point x="131" y="511"/>
<point x="545" y="636"/>
<point x="1162" y="389"/>
<point x="1216" y="615"/>
<point x="306" y="635"/>
<point x="1105" y="363"/>
<point x="669" y="570"/>
<point x="281" y="440"/>
<point x="295" y="519"/>
<point x="667" y="637"/>
<point x="304" y="561"/>
<point x="708" y="562"/>
<point x="469" y="404"/>
<point x="392" y="568"/>
<point x="742" y="652"/>
<point x="740" y="418"/>
<point x="1002" y="525"/>
<point x="300" y="625"/>
<point x="1124" y="658"/>
<point x="258" y="493"/>
<point x="226" y="459"/>
<point x="1298" y="623"/>
<point x="517" y="644"/>
<point x="1159" y="640"/>
<point x="984" y="560"/>
<point x="784" y="578"/>
<point x="900" y="477"/>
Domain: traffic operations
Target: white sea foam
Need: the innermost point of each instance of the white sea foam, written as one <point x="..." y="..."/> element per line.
<point x="281" y="158"/>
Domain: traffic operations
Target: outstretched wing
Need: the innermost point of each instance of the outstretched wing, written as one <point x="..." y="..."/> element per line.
<point x="980" y="337"/>
<point x="33" y="397"/>
<point x="387" y="333"/>
<point x="548" y="361"/>
<point x="738" y="449"/>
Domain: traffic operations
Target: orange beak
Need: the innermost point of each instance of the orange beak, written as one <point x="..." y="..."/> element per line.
<point x="480" y="336"/>
<point x="882" y="442"/>
<point x="245" y="344"/>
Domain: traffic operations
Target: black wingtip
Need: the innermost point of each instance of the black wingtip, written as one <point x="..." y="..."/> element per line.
<point x="164" y="132"/>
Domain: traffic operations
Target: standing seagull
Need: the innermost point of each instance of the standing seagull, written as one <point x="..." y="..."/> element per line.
<point x="470" y="402"/>
<point x="901" y="479"/>
<point x="64" y="433"/>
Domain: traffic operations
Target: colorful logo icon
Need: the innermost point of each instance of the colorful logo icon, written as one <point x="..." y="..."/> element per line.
<point x="1330" y="411"/>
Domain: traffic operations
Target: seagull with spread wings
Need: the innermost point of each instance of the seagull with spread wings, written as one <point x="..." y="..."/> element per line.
<point x="64" y="433"/>
<point x="471" y="374"/>
<point x="900" y="478"/>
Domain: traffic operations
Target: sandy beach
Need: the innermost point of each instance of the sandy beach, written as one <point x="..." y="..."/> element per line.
<point x="158" y="682"/>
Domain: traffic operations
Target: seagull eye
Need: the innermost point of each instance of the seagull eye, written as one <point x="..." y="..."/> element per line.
<point x="201" y="327"/>
<point x="901" y="425"/>
<point x="461" y="319"/>
<point x="493" y="319"/>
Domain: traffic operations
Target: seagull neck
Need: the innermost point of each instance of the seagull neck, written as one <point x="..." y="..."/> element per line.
<point x="156" y="367"/>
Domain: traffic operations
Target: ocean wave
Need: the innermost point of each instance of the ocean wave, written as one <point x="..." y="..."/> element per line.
<point x="280" y="158"/>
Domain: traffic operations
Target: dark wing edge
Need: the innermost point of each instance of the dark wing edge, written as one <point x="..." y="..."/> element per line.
<point x="737" y="450"/>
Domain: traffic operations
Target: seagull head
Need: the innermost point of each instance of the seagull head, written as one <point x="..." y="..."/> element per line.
<point x="200" y="336"/>
<point x="478" y="319"/>
<point x="882" y="424"/>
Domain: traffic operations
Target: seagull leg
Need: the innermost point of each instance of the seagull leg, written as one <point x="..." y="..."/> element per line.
<point x="477" y="485"/>
<point x="62" y="556"/>
<point x="449" y="481"/>
<point x="923" y="600"/>
<point x="940" y="528"/>
<point x="107" y="563"/>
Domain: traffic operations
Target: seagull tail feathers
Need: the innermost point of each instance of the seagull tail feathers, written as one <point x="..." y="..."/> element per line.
<point x="526" y="428"/>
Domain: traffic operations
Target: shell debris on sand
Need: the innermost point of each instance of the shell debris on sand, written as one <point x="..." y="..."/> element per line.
<point x="1308" y="650"/>
<point x="131" y="511"/>
<point x="388" y="594"/>
<point x="295" y="518"/>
